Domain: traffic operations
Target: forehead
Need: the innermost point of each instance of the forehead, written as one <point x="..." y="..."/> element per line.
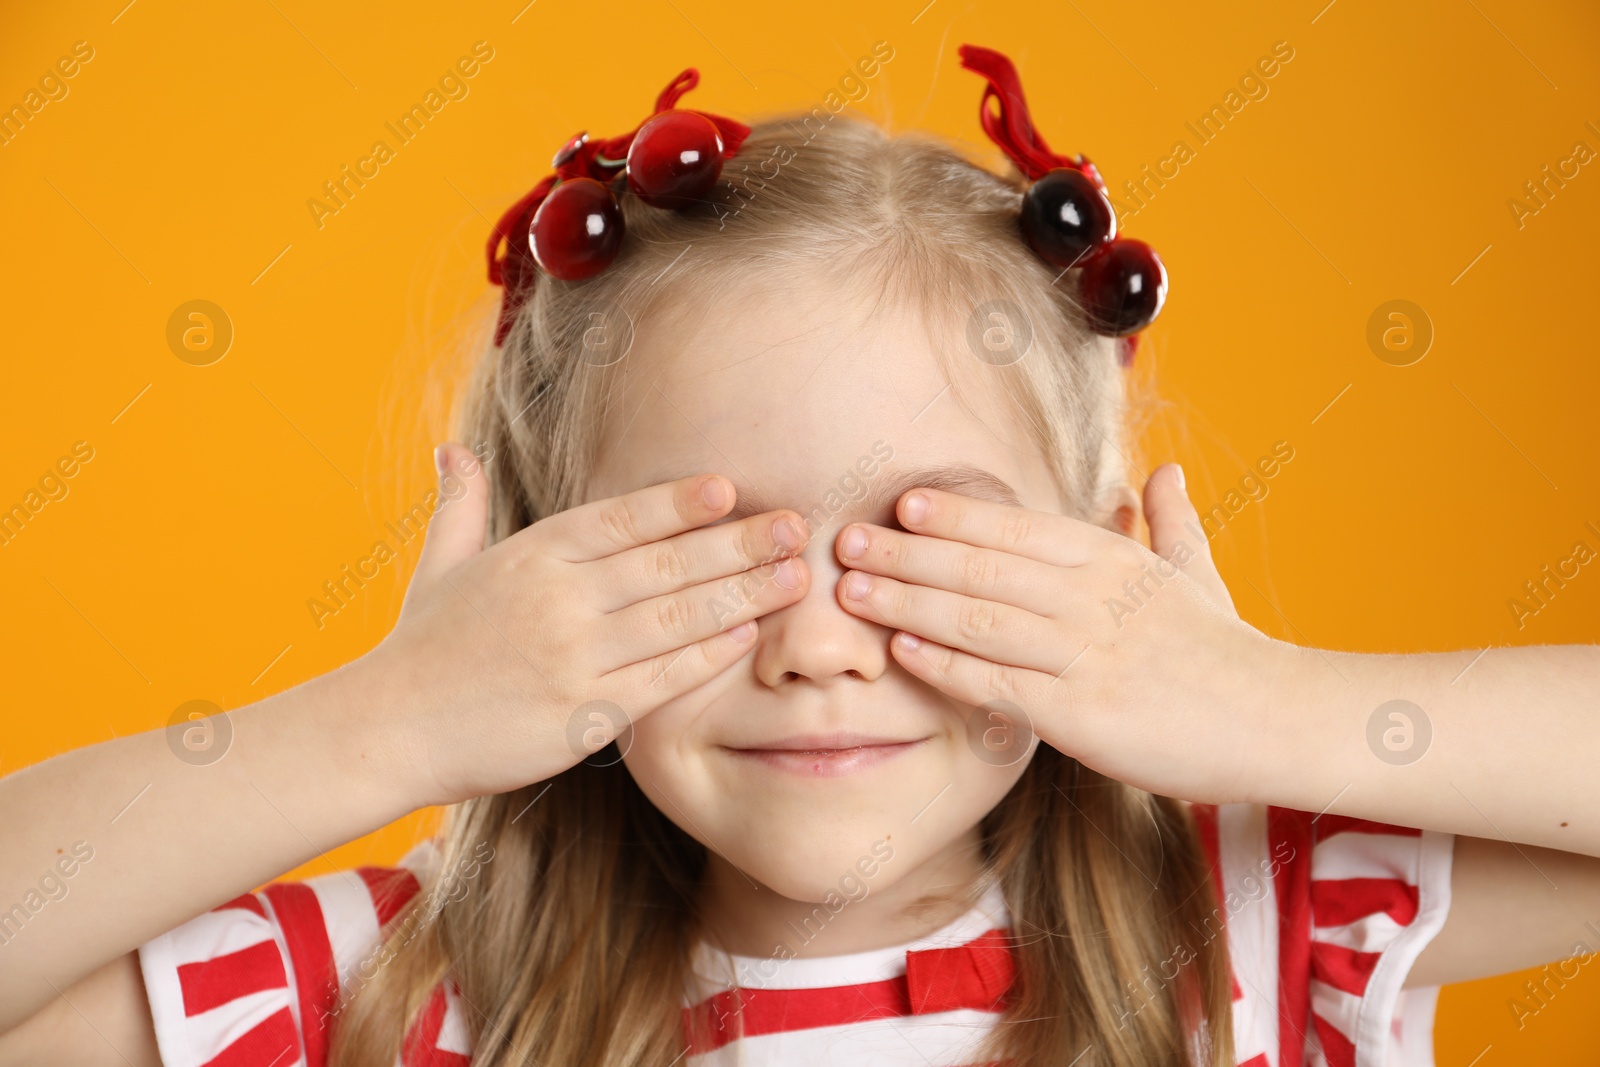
<point x="793" y="393"/>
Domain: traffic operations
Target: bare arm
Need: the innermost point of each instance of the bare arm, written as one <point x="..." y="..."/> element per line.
<point x="1513" y="907"/>
<point x="306" y="770"/>
<point x="1502" y="746"/>
<point x="101" y="1021"/>
<point x="474" y="692"/>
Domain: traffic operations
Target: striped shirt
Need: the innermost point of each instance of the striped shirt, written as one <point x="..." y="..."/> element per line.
<point x="1323" y="917"/>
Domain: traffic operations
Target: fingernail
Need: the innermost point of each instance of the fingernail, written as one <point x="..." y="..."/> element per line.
<point x="440" y="458"/>
<point x="856" y="585"/>
<point x="743" y="632"/>
<point x="713" y="493"/>
<point x="784" y="532"/>
<point x="855" y="543"/>
<point x="916" y="507"/>
<point x="788" y="574"/>
<point x="1177" y="472"/>
<point x="908" y="641"/>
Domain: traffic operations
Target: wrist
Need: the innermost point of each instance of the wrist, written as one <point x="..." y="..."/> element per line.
<point x="366" y="699"/>
<point x="1282" y="746"/>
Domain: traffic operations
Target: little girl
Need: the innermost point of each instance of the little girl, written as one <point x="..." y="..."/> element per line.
<point x="677" y="834"/>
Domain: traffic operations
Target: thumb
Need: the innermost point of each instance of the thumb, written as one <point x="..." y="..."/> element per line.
<point x="1172" y="518"/>
<point x="460" y="524"/>
<point x="1175" y="531"/>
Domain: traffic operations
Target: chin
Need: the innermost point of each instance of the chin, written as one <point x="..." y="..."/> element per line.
<point x="822" y="842"/>
<point x="822" y="869"/>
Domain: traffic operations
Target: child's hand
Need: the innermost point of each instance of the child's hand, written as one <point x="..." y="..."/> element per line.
<point x="512" y="663"/>
<point x="1162" y="687"/>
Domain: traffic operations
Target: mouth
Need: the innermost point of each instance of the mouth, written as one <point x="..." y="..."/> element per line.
<point x="826" y="755"/>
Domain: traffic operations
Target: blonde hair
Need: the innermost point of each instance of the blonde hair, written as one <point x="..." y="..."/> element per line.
<point x="573" y="945"/>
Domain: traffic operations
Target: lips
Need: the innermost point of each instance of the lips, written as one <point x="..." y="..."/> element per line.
<point x="817" y="742"/>
<point x="826" y="755"/>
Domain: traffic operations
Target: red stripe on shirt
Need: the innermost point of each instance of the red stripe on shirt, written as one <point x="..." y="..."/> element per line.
<point x="1326" y="826"/>
<point x="421" y="1047"/>
<point x="1335" y="1046"/>
<point x="1205" y="821"/>
<point x="1337" y="901"/>
<point x="246" y="901"/>
<point x="1205" y="818"/>
<point x="271" y="1041"/>
<point x="391" y="889"/>
<point x="1345" y="969"/>
<point x="306" y="933"/>
<point x="776" y="1011"/>
<point x="1286" y="826"/>
<point x="207" y="984"/>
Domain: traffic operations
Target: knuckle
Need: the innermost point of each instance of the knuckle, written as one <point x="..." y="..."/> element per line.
<point x="1015" y="529"/>
<point x="620" y="521"/>
<point x="669" y="563"/>
<point x="980" y="572"/>
<point x="996" y="679"/>
<point x="661" y="672"/>
<point x="975" y="619"/>
<point x="675" y="615"/>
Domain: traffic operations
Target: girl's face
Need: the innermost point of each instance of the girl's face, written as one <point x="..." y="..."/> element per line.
<point x="833" y="415"/>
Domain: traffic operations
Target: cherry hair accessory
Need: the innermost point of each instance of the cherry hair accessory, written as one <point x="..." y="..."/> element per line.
<point x="1066" y="216"/>
<point x="570" y="224"/>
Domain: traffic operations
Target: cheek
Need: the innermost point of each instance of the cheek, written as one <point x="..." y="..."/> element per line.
<point x="658" y="749"/>
<point x="666" y="760"/>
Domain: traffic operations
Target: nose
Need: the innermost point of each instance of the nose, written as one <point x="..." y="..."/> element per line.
<point x="816" y="639"/>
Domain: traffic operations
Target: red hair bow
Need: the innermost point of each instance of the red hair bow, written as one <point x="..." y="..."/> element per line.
<point x="580" y="157"/>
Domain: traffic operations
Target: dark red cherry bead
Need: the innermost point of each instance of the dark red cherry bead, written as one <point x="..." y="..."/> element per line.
<point x="577" y="230"/>
<point x="1092" y="171"/>
<point x="674" y="159"/>
<point x="1065" y="217"/>
<point x="570" y="149"/>
<point x="1123" y="287"/>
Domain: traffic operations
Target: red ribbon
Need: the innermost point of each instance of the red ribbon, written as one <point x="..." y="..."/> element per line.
<point x="974" y="975"/>
<point x="1012" y="129"/>
<point x="601" y="160"/>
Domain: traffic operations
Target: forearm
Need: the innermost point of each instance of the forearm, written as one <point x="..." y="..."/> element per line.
<point x="1506" y="745"/>
<point x="306" y="770"/>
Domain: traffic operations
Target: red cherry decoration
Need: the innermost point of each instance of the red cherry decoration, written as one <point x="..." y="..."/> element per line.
<point x="577" y="230"/>
<point x="1065" y="217"/>
<point x="1123" y="286"/>
<point x="674" y="159"/>
<point x="567" y="151"/>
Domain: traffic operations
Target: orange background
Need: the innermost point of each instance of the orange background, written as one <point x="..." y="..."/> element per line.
<point x="1378" y="167"/>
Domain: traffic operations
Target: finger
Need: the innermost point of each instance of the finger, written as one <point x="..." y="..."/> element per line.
<point x="650" y="683"/>
<point x="1048" y="538"/>
<point x="1171" y="516"/>
<point x="673" y="620"/>
<point x="603" y="527"/>
<point x="953" y="565"/>
<point x="457" y="530"/>
<point x="696" y="556"/>
<point x="1175" y="531"/>
<point x="964" y="677"/>
<point x="998" y="632"/>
